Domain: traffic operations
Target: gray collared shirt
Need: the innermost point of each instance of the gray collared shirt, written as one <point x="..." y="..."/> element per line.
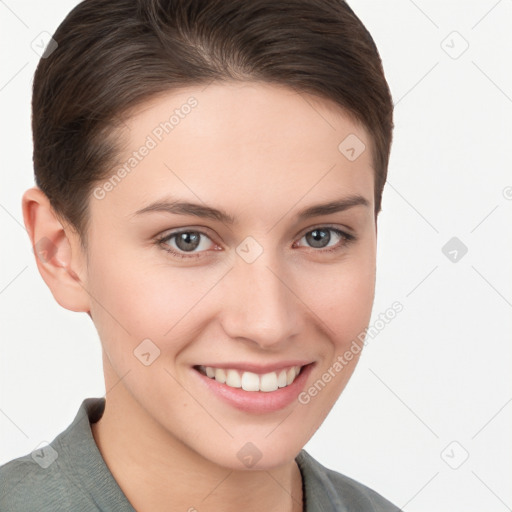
<point x="70" y="474"/>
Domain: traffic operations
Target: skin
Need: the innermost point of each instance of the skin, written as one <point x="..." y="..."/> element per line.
<point x="163" y="436"/>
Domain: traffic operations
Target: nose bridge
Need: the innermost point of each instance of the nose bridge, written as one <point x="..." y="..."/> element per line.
<point x="261" y="307"/>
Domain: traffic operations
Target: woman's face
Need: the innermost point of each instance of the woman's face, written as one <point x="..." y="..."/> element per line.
<point x="268" y="284"/>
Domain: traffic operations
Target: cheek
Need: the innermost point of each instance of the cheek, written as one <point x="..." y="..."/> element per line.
<point x="344" y="303"/>
<point x="342" y="297"/>
<point x="137" y="299"/>
<point x="139" y="296"/>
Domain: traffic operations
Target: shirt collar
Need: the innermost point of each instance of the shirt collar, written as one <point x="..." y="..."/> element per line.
<point x="89" y="472"/>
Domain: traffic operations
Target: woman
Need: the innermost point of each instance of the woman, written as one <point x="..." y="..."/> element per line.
<point x="209" y="176"/>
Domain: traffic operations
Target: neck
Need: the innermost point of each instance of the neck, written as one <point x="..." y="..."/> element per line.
<point x="156" y="469"/>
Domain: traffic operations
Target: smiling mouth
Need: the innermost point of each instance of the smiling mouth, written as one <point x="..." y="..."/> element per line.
<point x="250" y="381"/>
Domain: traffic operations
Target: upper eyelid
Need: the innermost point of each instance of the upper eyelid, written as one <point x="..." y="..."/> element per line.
<point x="343" y="229"/>
<point x="170" y="235"/>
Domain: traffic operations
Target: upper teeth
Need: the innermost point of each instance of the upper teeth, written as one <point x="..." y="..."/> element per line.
<point x="250" y="381"/>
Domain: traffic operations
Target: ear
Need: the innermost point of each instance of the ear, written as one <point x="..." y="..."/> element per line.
<point x="58" y="253"/>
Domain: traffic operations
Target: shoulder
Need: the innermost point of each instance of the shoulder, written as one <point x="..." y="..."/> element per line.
<point x="57" y="476"/>
<point x="34" y="482"/>
<point x="337" y="492"/>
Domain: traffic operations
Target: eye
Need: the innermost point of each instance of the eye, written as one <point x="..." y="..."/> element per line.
<point x="192" y="243"/>
<point x="183" y="242"/>
<point x="321" y="238"/>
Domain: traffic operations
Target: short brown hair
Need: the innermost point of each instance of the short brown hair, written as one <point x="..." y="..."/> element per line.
<point x="112" y="55"/>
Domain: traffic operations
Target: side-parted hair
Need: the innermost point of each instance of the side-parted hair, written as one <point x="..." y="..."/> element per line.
<point x="112" y="55"/>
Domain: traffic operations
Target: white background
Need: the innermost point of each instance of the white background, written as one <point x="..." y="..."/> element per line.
<point x="440" y="371"/>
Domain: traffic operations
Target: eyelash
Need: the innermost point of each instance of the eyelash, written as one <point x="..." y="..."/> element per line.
<point x="346" y="237"/>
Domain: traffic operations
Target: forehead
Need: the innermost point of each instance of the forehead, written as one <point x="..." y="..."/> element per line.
<point x="247" y="146"/>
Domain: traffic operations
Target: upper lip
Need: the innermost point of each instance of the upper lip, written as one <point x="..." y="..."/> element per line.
<point x="257" y="368"/>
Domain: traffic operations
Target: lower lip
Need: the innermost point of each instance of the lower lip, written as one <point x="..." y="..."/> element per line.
<point x="258" y="401"/>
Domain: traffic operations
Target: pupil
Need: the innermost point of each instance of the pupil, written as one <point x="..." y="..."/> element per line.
<point x="318" y="238"/>
<point x="187" y="241"/>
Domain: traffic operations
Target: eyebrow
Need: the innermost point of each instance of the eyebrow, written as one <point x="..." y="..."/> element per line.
<point x="207" y="212"/>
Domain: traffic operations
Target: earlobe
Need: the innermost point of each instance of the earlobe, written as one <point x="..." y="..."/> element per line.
<point x="57" y="251"/>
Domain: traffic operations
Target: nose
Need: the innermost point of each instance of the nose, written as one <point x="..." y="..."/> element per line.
<point x="260" y="303"/>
